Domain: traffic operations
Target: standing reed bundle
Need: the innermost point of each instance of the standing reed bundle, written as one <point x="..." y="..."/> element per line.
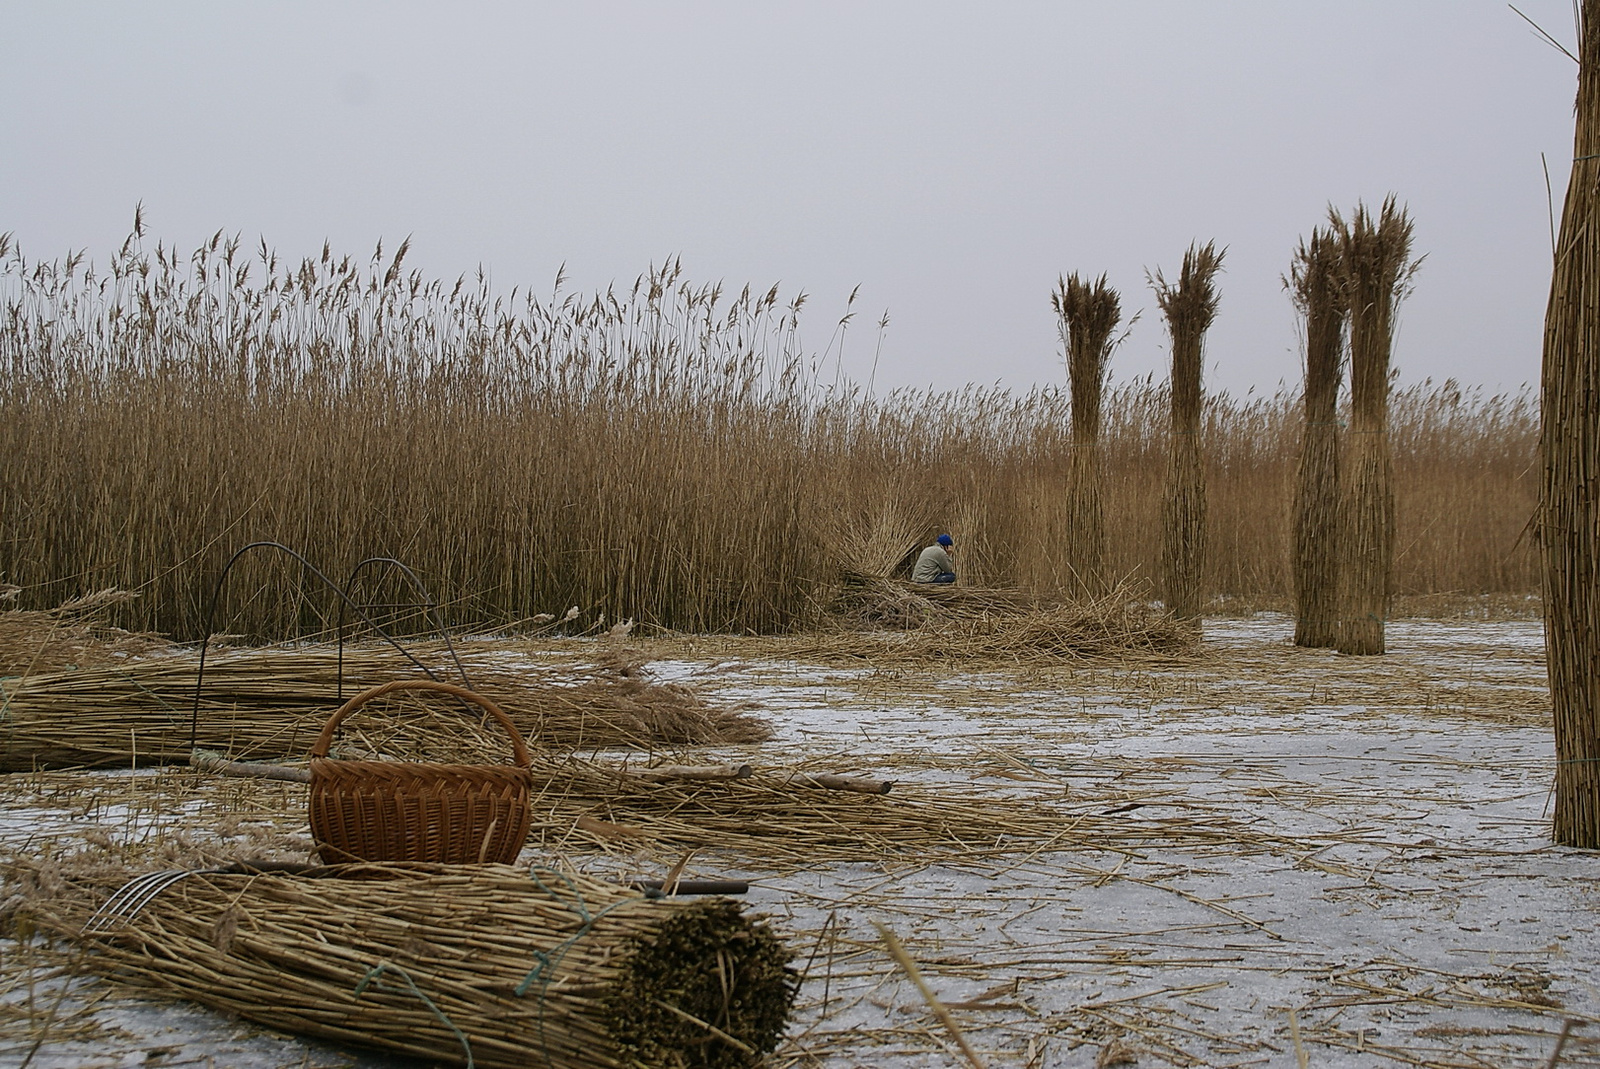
<point x="1570" y="447"/>
<point x="460" y="965"/>
<point x="1377" y="270"/>
<point x="1089" y="313"/>
<point x="1189" y="305"/>
<point x="1316" y="284"/>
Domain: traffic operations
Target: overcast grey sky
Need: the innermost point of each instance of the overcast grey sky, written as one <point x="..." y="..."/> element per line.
<point x="952" y="159"/>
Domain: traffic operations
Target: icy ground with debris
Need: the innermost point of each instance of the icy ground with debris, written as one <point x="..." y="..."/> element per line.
<point x="1363" y="875"/>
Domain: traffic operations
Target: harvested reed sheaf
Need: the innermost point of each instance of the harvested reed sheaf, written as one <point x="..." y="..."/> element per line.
<point x="481" y="964"/>
<point x="1316" y="284"/>
<point x="1570" y="447"/>
<point x="1376" y="274"/>
<point x="1089" y="313"/>
<point x="1190" y="305"/>
<point x="958" y="623"/>
<point x="269" y="704"/>
<point x="74" y="634"/>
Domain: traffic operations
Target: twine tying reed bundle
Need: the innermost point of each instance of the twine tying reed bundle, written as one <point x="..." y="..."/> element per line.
<point x="1316" y="285"/>
<point x="1376" y="273"/>
<point x="1570" y="448"/>
<point x="1089" y="313"/>
<point x="477" y="965"/>
<point x="1189" y="305"/>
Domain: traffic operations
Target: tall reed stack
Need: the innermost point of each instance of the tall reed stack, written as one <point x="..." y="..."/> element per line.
<point x="1570" y="444"/>
<point x="1189" y="305"/>
<point x="1089" y="313"/>
<point x="1316" y="284"/>
<point x="1377" y="273"/>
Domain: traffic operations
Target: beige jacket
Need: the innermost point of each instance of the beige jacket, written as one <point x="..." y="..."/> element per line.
<point x="933" y="562"/>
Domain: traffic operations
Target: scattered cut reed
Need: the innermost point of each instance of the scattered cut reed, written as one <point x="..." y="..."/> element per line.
<point x="1189" y="305"/>
<point x="1316" y="284"/>
<point x="1377" y="269"/>
<point x="1570" y="447"/>
<point x="1089" y="313"/>
<point x="481" y="964"/>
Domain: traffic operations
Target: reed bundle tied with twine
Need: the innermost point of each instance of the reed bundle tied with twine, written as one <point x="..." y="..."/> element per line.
<point x="268" y="704"/>
<point x="1316" y="285"/>
<point x="1570" y="447"/>
<point x="1089" y="313"/>
<point x="484" y="965"/>
<point x="1189" y="305"/>
<point x="1376" y="273"/>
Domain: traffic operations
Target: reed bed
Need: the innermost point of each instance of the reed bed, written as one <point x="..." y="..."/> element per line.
<point x="1377" y="272"/>
<point x="269" y="704"/>
<point x="461" y="965"/>
<point x="1570" y="449"/>
<point x="1189" y="305"/>
<point x="1316" y="286"/>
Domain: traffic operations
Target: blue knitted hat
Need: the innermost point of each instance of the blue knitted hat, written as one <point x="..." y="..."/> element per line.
<point x="944" y="540"/>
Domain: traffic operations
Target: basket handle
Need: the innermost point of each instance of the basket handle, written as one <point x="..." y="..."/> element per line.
<point x="519" y="749"/>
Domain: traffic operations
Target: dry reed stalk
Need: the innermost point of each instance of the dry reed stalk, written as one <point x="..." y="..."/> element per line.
<point x="1190" y="305"/>
<point x="269" y="704"/>
<point x="1089" y="313"/>
<point x="1377" y="270"/>
<point x="1570" y="448"/>
<point x="478" y="964"/>
<point x="1315" y="282"/>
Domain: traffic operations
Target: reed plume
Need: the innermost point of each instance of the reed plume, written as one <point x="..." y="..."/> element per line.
<point x="1570" y="448"/>
<point x="1377" y="269"/>
<point x="1088" y="314"/>
<point x="1189" y="305"/>
<point x="1316" y="285"/>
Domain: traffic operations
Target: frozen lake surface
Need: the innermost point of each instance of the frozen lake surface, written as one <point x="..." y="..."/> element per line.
<point x="1361" y="872"/>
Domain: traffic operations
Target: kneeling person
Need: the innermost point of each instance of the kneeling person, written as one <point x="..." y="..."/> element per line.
<point x="933" y="566"/>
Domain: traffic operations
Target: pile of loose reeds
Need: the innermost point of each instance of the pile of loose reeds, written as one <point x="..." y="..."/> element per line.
<point x="484" y="965"/>
<point x="1316" y="284"/>
<point x="1190" y="305"/>
<point x="268" y="704"/>
<point x="892" y="621"/>
<point x="1570" y="448"/>
<point x="1376" y="271"/>
<point x="74" y="634"/>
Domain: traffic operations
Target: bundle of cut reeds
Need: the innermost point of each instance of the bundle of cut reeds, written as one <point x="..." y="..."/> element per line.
<point x="1089" y="313"/>
<point x="1190" y="305"/>
<point x="1570" y="445"/>
<point x="1376" y="269"/>
<point x="483" y="965"/>
<point x="269" y="704"/>
<point x="1316" y="284"/>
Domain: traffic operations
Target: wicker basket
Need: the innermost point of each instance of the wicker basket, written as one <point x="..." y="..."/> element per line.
<point x="410" y="811"/>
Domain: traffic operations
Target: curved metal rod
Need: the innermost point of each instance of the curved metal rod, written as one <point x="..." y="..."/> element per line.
<point x="216" y="596"/>
<point x="427" y="603"/>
